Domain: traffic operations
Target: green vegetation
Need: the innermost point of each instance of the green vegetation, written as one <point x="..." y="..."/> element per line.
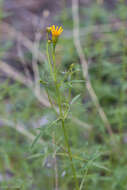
<point x="33" y="154"/>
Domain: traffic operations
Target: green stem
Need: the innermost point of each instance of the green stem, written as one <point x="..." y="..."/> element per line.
<point x="56" y="84"/>
<point x="70" y="155"/>
<point x="123" y="78"/>
<point x="49" y="61"/>
<point x="62" y="120"/>
<point x="53" y="70"/>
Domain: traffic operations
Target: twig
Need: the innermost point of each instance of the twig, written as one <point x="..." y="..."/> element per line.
<point x="35" y="59"/>
<point x="21" y="56"/>
<point x="75" y="9"/>
<point x="14" y="74"/>
<point x="12" y="33"/>
<point x="20" y="128"/>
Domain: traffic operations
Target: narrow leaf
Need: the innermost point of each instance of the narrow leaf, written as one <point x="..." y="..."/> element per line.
<point x="36" y="139"/>
<point x="75" y="99"/>
<point x="100" y="166"/>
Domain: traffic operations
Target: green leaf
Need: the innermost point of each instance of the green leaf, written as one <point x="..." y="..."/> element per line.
<point x="75" y="99"/>
<point x="36" y="139"/>
<point x="35" y="156"/>
<point x="100" y="166"/>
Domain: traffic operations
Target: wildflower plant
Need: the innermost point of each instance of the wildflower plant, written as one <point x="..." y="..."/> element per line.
<point x="97" y="163"/>
<point x="61" y="106"/>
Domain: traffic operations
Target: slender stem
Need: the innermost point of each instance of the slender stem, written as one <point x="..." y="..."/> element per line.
<point x="54" y="62"/>
<point x="51" y="71"/>
<point x="54" y="74"/>
<point x="62" y="121"/>
<point x="49" y="61"/>
<point x="123" y="78"/>
<point x="69" y="93"/>
<point x="56" y="83"/>
<point x="70" y="155"/>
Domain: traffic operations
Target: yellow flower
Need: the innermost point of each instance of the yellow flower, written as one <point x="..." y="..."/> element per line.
<point x="56" y="32"/>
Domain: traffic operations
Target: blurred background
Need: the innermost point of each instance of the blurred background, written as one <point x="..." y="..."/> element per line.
<point x="95" y="41"/>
